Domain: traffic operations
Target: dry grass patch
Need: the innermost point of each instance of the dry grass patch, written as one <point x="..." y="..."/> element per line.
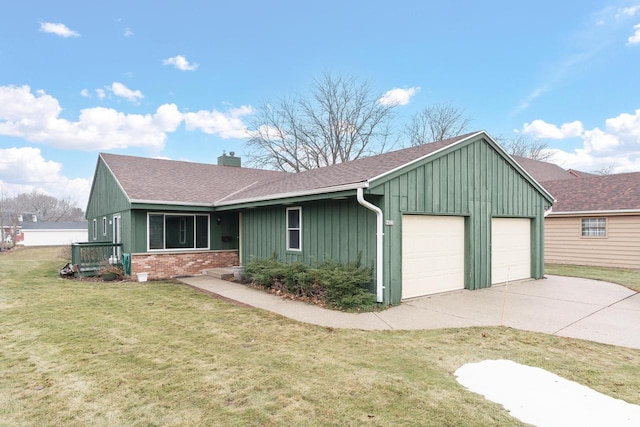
<point x="91" y="353"/>
<point x="625" y="277"/>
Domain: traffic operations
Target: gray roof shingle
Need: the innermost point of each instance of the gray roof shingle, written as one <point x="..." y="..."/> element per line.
<point x="170" y="181"/>
<point x="543" y="171"/>
<point x="596" y="193"/>
<point x="54" y="225"/>
<point x="341" y="174"/>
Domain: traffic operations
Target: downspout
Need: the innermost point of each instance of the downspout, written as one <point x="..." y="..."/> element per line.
<point x="379" y="241"/>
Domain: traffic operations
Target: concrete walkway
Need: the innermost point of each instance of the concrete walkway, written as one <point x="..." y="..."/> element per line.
<point x="563" y="306"/>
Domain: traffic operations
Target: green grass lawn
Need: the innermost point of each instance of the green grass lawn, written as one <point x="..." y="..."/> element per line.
<point x="628" y="278"/>
<point x="83" y="353"/>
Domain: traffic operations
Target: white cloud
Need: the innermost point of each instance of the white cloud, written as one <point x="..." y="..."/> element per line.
<point x="616" y="146"/>
<point x="398" y="96"/>
<point x="128" y="32"/>
<point x="58" y="29"/>
<point x="101" y="93"/>
<point x="36" y="118"/>
<point x="85" y="93"/>
<point x="181" y="63"/>
<point x="23" y="170"/>
<point x="224" y="124"/>
<point x="630" y="11"/>
<point x="122" y="91"/>
<point x="635" y="38"/>
<point x="541" y="129"/>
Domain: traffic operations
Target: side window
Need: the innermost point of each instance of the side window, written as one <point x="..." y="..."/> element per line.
<point x="294" y="229"/>
<point x="594" y="227"/>
<point x="104" y="225"/>
<point x="95" y="229"/>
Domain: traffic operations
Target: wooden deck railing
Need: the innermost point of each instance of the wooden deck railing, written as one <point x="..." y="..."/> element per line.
<point x="88" y="256"/>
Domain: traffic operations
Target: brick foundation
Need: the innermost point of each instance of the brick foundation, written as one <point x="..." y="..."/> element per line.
<point x="169" y="265"/>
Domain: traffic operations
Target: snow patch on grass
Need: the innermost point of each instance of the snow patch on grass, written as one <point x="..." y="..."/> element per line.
<point x="538" y="397"/>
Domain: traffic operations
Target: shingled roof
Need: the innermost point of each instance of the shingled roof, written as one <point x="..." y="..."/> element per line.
<point x="619" y="192"/>
<point x="543" y="171"/>
<point x="342" y="174"/>
<point x="169" y="181"/>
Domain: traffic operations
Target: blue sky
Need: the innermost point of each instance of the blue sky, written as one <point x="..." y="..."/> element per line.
<point x="181" y="80"/>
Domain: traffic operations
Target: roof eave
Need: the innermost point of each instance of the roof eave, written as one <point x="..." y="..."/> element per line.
<point x="168" y="202"/>
<point x="301" y="193"/>
<point x="597" y="212"/>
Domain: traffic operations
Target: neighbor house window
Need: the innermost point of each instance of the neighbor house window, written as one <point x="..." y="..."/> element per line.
<point x="95" y="229"/>
<point x="594" y="227"/>
<point x="178" y="231"/>
<point x="104" y="225"/>
<point x="294" y="227"/>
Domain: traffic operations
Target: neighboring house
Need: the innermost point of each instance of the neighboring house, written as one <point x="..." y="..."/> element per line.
<point x="11" y="226"/>
<point x="53" y="233"/>
<point x="545" y="171"/>
<point x="453" y="214"/>
<point x="595" y="221"/>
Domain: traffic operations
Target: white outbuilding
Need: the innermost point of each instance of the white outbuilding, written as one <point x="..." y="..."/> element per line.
<point x="54" y="233"/>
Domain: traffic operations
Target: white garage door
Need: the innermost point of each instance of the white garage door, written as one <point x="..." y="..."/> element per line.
<point x="432" y="254"/>
<point x="510" y="249"/>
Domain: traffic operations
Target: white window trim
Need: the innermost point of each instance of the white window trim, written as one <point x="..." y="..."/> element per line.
<point x="95" y="229"/>
<point x="299" y="228"/>
<point x="606" y="231"/>
<point x="104" y="225"/>
<point x="164" y="243"/>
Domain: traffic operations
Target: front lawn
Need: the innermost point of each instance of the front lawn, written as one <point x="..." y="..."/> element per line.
<point x="79" y="353"/>
<point x="624" y="277"/>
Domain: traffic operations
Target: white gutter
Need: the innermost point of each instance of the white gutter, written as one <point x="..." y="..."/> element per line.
<point x="602" y="212"/>
<point x="379" y="241"/>
<point x="548" y="211"/>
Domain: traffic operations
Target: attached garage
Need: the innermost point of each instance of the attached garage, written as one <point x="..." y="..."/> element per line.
<point x="510" y="249"/>
<point x="432" y="254"/>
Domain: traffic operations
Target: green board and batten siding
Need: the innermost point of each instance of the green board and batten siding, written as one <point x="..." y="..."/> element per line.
<point x="471" y="180"/>
<point x="107" y="200"/>
<point x="333" y="229"/>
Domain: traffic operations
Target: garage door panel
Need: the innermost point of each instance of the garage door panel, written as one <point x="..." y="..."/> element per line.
<point x="510" y="249"/>
<point x="432" y="254"/>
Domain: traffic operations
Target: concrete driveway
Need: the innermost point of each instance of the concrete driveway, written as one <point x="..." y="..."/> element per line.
<point x="564" y="306"/>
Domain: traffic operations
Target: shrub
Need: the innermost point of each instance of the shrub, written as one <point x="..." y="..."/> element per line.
<point x="339" y="286"/>
<point x="265" y="271"/>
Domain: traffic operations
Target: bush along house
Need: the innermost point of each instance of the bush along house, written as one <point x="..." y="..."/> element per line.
<point x="453" y="214"/>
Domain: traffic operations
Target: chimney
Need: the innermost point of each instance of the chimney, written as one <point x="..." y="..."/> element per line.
<point x="230" y="160"/>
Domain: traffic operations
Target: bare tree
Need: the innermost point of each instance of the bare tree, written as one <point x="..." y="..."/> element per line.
<point x="46" y="208"/>
<point x="605" y="170"/>
<point x="436" y="123"/>
<point x="525" y="146"/>
<point x="340" y="119"/>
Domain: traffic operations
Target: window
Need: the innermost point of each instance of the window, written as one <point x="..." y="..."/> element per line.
<point x="104" y="225"/>
<point x="594" y="227"/>
<point x="177" y="231"/>
<point x="95" y="229"/>
<point x="294" y="226"/>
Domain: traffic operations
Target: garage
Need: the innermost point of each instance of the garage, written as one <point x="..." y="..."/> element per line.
<point x="510" y="249"/>
<point x="432" y="254"/>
